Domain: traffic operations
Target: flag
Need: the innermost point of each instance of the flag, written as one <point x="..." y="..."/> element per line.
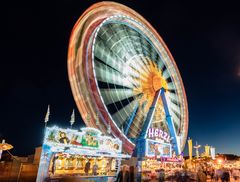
<point x="190" y="148"/>
<point x="212" y="150"/>
<point x="72" y="120"/>
<point x="207" y="148"/>
<point x="47" y="115"/>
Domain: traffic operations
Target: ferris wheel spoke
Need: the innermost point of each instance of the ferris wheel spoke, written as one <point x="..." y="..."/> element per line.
<point x="175" y="115"/>
<point x="171" y="87"/>
<point x="175" y="102"/>
<point x="103" y="53"/>
<point x="106" y="85"/>
<point x="108" y="75"/>
<point x="166" y="74"/>
<point x="176" y="123"/>
<point x="136" y="126"/>
<point x="126" y="38"/>
<point x="163" y="68"/>
<point x="160" y="63"/>
<point x="132" y="36"/>
<point x="176" y="112"/>
<point x="130" y="119"/>
<point x="114" y="95"/>
<point x="122" y="78"/>
<point x="103" y="49"/>
<point x="116" y="106"/>
<point x="173" y="99"/>
<point x="169" y="80"/>
<point x="123" y="113"/>
<point x="107" y="65"/>
<point x="138" y="62"/>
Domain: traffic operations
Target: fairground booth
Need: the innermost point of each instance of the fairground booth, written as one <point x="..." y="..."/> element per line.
<point x="156" y="152"/>
<point x="86" y="153"/>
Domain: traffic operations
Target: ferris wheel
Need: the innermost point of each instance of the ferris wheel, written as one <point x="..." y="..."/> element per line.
<point x="123" y="78"/>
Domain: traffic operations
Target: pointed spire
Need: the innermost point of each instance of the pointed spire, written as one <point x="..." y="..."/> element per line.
<point x="72" y="120"/>
<point x="47" y="115"/>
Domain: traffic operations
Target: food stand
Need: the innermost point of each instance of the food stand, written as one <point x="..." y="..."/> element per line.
<point x="85" y="153"/>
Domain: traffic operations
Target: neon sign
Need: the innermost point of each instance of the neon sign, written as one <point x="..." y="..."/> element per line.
<point x="158" y="133"/>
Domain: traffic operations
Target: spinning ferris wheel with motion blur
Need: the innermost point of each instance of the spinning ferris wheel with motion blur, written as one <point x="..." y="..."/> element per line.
<point x="123" y="76"/>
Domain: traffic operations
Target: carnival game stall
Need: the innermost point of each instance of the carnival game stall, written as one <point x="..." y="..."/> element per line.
<point x="85" y="153"/>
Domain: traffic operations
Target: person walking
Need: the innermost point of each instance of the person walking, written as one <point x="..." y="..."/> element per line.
<point x="94" y="169"/>
<point x="87" y="167"/>
<point x="126" y="174"/>
<point x="211" y="173"/>
<point x="235" y="174"/>
<point x="201" y="176"/>
<point x="225" y="176"/>
<point x="161" y="175"/>
<point x="120" y="175"/>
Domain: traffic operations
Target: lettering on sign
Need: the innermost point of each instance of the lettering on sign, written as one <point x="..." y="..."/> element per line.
<point x="158" y="133"/>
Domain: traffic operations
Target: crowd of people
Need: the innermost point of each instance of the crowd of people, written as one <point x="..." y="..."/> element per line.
<point x="203" y="175"/>
<point x="210" y="174"/>
<point x="200" y="175"/>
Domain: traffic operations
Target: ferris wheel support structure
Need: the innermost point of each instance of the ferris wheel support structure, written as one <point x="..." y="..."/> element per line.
<point x="161" y="94"/>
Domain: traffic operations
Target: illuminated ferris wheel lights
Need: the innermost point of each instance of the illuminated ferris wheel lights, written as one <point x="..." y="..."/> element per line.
<point x="120" y="63"/>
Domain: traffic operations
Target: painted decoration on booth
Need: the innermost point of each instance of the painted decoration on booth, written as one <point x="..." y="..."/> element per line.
<point x="157" y="149"/>
<point x="88" y="138"/>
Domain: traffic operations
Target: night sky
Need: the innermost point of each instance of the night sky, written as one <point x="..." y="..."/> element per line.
<point x="203" y="37"/>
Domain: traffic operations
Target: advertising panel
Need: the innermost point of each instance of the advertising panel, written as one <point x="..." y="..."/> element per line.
<point x="88" y="138"/>
<point x="158" y="149"/>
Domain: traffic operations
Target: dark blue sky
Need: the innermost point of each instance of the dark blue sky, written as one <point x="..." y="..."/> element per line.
<point x="203" y="37"/>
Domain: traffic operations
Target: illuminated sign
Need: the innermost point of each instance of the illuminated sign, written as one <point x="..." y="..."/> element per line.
<point x="89" y="139"/>
<point x="158" y="149"/>
<point x="158" y="133"/>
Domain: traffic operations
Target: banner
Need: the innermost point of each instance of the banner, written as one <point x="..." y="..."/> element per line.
<point x="212" y="150"/>
<point x="207" y="149"/>
<point x="190" y="148"/>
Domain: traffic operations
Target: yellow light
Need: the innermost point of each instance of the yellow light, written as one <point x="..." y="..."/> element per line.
<point x="219" y="161"/>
